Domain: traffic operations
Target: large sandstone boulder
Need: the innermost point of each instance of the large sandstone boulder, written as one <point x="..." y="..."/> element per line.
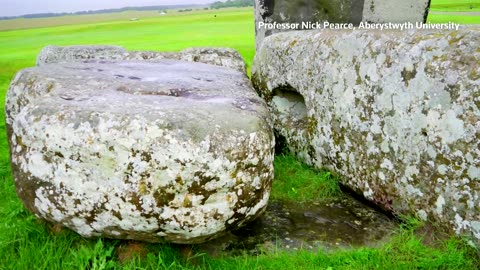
<point x="166" y="151"/>
<point x="225" y="57"/>
<point x="336" y="11"/>
<point x="395" y="113"/>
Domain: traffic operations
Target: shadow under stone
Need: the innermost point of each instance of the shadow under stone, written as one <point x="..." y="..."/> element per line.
<point x="341" y="223"/>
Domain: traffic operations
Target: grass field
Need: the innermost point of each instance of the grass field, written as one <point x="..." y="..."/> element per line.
<point x="452" y="5"/>
<point x="26" y="243"/>
<point x="448" y="11"/>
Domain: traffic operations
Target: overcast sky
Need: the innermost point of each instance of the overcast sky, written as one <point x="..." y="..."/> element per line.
<point x="22" y="7"/>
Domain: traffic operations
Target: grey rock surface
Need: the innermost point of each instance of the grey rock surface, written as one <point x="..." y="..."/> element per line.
<point x="395" y="113"/>
<point x="336" y="11"/>
<point x="166" y="151"/>
<point x="225" y="57"/>
<point x="55" y="54"/>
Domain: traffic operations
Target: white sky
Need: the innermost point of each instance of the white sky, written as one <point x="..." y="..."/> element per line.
<point x="22" y="7"/>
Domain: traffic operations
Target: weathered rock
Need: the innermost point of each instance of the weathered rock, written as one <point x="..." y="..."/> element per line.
<point x="395" y="113"/>
<point x="382" y="11"/>
<point x="216" y="56"/>
<point x="336" y="11"/>
<point x="166" y="151"/>
<point x="225" y="57"/>
<point x="55" y="54"/>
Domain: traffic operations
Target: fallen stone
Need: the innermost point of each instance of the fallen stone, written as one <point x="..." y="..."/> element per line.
<point x="225" y="57"/>
<point x="336" y="11"/>
<point x="166" y="151"/>
<point x="395" y="113"/>
<point x="215" y="56"/>
<point x="55" y="54"/>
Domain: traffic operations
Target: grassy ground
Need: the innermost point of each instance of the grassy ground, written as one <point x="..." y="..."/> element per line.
<point x="455" y="5"/>
<point x="297" y="182"/>
<point x="20" y="23"/>
<point x="461" y="19"/>
<point x="26" y="243"/>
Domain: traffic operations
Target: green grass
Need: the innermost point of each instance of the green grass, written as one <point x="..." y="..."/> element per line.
<point x="450" y="6"/>
<point x="234" y="28"/>
<point x="458" y="5"/>
<point x="27" y="243"/>
<point x="308" y="184"/>
<point x="461" y="19"/>
<point x="405" y="251"/>
<point x="21" y="23"/>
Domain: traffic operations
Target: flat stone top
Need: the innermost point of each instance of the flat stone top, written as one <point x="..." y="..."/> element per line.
<point x="178" y="94"/>
<point x="224" y="57"/>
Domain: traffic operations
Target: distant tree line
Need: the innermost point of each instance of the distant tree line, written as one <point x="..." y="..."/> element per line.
<point x="111" y="10"/>
<point x="232" y="3"/>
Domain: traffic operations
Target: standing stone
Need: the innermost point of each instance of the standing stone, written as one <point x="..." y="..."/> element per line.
<point x="395" y="11"/>
<point x="395" y="113"/>
<point x="167" y="151"/>
<point x="336" y="11"/>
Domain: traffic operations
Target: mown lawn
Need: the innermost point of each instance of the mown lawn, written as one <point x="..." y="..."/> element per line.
<point x="455" y="5"/>
<point x="448" y="6"/>
<point x="27" y="243"/>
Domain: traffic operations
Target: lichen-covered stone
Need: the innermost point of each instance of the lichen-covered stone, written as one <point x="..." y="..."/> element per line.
<point x="382" y="11"/>
<point x="225" y="57"/>
<point x="336" y="11"/>
<point x="167" y="151"/>
<point x="395" y="113"/>
<point x="54" y="54"/>
<point x="216" y="56"/>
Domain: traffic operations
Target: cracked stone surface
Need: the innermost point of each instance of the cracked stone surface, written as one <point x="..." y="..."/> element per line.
<point x="337" y="11"/>
<point x="225" y="57"/>
<point x="396" y="114"/>
<point x="167" y="151"/>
